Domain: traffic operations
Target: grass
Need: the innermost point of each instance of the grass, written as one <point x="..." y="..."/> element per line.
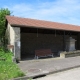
<point x="8" y="69"/>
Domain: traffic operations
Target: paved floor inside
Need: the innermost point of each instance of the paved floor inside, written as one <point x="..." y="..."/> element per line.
<point x="38" y="67"/>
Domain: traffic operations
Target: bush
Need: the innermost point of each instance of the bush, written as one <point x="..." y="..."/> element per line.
<point x="8" y="69"/>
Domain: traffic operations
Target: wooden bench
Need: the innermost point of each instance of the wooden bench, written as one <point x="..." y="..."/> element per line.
<point x="43" y="53"/>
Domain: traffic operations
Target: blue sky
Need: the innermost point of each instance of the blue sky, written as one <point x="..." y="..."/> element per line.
<point x="64" y="11"/>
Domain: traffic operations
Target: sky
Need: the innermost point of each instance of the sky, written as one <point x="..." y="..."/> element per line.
<point x="63" y="11"/>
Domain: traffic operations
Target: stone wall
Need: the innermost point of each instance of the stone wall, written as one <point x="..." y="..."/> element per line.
<point x="13" y="35"/>
<point x="70" y="54"/>
<point x="17" y="33"/>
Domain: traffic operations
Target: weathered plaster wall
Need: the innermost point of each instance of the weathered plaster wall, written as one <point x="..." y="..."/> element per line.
<point x="13" y="34"/>
<point x="10" y="34"/>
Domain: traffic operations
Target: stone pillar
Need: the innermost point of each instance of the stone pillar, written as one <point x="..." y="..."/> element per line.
<point x="70" y="44"/>
<point x="17" y="51"/>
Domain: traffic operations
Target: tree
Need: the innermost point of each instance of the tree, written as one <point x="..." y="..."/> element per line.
<point x="3" y="13"/>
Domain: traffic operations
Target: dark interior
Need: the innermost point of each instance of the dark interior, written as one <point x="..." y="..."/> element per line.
<point x="34" y="38"/>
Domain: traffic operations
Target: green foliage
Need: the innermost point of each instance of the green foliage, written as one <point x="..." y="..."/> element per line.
<point x="30" y="79"/>
<point x="3" y="13"/>
<point x="5" y="55"/>
<point x="8" y="69"/>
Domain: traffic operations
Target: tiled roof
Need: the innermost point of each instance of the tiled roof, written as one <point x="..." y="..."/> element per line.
<point x="26" y="22"/>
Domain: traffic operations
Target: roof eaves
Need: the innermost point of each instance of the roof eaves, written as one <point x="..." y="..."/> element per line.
<point x="16" y="25"/>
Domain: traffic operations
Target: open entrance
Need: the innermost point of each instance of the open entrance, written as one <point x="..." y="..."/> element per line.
<point x="33" y="39"/>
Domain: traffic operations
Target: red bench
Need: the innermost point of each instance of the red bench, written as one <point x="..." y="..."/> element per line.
<point x="43" y="53"/>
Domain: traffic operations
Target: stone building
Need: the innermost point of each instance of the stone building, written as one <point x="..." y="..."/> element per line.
<point x="28" y="35"/>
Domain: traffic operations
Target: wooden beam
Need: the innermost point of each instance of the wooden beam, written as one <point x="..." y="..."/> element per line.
<point x="64" y="42"/>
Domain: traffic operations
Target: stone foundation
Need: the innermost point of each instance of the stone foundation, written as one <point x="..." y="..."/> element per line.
<point x="69" y="54"/>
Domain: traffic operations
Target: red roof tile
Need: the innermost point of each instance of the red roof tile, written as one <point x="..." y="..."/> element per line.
<point x="17" y="21"/>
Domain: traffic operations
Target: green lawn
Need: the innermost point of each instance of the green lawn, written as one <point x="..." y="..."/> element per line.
<point x="8" y="69"/>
